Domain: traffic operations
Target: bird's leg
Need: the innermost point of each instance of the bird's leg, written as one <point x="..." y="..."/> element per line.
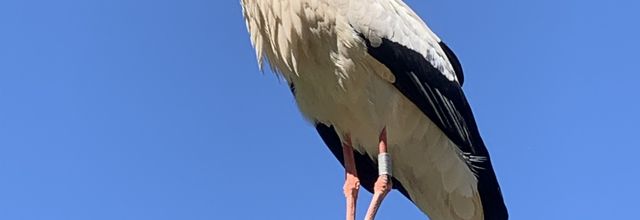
<point x="383" y="183"/>
<point x="351" y="183"/>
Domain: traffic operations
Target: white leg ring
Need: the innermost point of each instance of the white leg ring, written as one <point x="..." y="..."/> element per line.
<point x="384" y="164"/>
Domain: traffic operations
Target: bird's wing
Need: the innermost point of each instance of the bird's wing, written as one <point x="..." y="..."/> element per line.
<point x="429" y="75"/>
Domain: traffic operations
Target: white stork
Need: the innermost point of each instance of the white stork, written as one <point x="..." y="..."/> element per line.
<point x="381" y="87"/>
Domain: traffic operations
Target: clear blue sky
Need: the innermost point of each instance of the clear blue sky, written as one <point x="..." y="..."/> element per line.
<point x="156" y="110"/>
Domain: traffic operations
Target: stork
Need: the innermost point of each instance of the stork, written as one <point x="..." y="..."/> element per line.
<point x="385" y="94"/>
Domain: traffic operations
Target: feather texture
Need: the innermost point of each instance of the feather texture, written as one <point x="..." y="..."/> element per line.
<point x="323" y="48"/>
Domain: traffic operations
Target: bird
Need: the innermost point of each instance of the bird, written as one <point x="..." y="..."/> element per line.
<point x="385" y="94"/>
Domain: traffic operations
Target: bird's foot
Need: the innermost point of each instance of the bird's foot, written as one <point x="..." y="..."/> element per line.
<point x="383" y="184"/>
<point x="351" y="182"/>
<point x="381" y="188"/>
<point x="351" y="188"/>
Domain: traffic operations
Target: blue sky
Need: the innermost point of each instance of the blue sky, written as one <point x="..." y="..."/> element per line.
<point x="156" y="110"/>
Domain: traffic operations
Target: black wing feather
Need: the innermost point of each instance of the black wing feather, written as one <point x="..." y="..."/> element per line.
<point x="444" y="102"/>
<point x="457" y="67"/>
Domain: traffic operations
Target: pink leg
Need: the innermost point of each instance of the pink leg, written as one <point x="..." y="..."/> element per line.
<point x="383" y="184"/>
<point x="351" y="183"/>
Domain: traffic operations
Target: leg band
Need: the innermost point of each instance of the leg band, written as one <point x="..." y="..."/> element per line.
<point x="384" y="164"/>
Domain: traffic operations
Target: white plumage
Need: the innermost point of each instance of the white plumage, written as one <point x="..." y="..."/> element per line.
<point x="318" y="46"/>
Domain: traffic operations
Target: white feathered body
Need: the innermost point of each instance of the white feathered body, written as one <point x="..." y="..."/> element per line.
<point x="314" y="44"/>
